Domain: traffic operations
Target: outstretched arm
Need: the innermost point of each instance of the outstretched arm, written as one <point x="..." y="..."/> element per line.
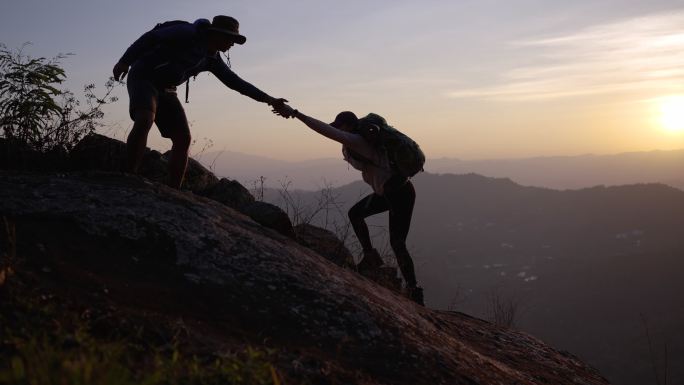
<point x="219" y="68"/>
<point x="325" y="129"/>
<point x="353" y="141"/>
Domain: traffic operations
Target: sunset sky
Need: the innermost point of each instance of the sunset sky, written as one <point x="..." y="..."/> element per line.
<point x="465" y="79"/>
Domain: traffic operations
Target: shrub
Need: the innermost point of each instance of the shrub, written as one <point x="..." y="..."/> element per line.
<point x="34" y="111"/>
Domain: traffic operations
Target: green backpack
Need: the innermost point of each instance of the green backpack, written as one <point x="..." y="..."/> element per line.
<point x="404" y="155"/>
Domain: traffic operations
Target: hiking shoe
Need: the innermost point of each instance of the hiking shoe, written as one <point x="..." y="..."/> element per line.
<point x="371" y="261"/>
<point x="415" y="294"/>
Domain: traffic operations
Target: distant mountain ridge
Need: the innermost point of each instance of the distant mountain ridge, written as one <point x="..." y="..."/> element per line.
<point x="558" y="172"/>
<point x="574" y="172"/>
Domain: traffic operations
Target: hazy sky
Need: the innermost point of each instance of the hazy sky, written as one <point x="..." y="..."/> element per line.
<point x="467" y="79"/>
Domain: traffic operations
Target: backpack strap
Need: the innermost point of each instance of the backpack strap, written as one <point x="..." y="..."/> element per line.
<point x="187" y="90"/>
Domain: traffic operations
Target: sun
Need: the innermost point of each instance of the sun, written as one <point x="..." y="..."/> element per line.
<point x="672" y="113"/>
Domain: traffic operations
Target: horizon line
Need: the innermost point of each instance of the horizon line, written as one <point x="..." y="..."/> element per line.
<point x="530" y="157"/>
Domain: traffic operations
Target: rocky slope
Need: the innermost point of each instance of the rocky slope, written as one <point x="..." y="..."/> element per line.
<point x="169" y="252"/>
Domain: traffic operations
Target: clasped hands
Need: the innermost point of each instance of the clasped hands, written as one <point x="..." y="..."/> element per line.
<point x="282" y="109"/>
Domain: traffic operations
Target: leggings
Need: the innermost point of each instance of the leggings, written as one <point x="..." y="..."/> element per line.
<point x="399" y="199"/>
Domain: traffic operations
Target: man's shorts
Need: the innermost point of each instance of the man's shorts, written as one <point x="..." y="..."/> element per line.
<point x="169" y="114"/>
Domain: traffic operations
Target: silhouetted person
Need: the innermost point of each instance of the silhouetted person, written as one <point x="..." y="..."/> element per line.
<point x="164" y="58"/>
<point x="391" y="192"/>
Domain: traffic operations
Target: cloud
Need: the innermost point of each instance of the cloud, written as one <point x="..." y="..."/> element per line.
<point x="638" y="54"/>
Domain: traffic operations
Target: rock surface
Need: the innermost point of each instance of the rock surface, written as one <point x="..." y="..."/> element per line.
<point x="174" y="251"/>
<point x="101" y="153"/>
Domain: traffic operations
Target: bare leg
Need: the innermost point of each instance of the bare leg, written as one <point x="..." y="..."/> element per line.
<point x="137" y="139"/>
<point x="179" y="158"/>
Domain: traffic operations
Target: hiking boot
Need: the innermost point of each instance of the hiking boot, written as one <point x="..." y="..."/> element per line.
<point x="415" y="294"/>
<point x="370" y="262"/>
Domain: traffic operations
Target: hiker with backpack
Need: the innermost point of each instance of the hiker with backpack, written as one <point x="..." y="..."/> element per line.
<point x="387" y="159"/>
<point x="162" y="59"/>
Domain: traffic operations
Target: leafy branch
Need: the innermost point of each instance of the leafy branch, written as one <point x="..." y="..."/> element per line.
<point x="35" y="111"/>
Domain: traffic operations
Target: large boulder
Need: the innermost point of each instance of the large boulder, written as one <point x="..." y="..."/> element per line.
<point x="325" y="243"/>
<point x="169" y="252"/>
<point x="229" y="192"/>
<point x="271" y="216"/>
<point x="99" y="152"/>
<point x="197" y="177"/>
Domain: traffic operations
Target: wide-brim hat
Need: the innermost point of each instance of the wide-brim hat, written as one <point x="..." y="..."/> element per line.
<point x="229" y="26"/>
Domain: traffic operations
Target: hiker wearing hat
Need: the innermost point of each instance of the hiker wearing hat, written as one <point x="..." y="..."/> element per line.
<point x="392" y="191"/>
<point x="164" y="58"/>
